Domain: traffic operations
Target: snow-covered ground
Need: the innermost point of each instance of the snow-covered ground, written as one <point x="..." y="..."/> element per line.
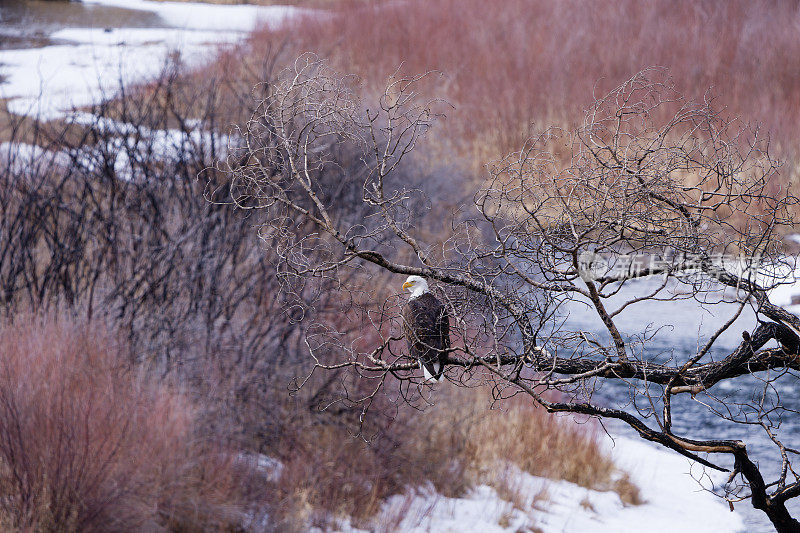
<point x="133" y="147"/>
<point x="674" y="501"/>
<point x="50" y="81"/>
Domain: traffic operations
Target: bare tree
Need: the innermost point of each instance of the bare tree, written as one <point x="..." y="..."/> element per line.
<point x="650" y="185"/>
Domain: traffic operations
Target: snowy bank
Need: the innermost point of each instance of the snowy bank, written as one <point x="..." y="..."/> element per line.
<point x="674" y="501"/>
<point x="47" y="82"/>
<point x="208" y="17"/>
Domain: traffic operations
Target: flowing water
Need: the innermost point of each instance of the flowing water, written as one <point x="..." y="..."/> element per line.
<point x="685" y="325"/>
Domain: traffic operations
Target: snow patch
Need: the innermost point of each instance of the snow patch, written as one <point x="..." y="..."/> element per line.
<point x="132" y="148"/>
<point x="269" y="466"/>
<point x="674" y="501"/>
<point x="211" y="17"/>
<point x="668" y="482"/>
<point x="789" y="285"/>
<point x="19" y="158"/>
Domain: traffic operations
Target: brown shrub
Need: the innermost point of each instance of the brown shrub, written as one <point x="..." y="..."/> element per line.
<point x="86" y="445"/>
<point x="326" y="475"/>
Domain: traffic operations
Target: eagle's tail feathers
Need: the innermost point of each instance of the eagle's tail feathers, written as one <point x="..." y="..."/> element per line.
<point x="438" y="369"/>
<point x="432" y="371"/>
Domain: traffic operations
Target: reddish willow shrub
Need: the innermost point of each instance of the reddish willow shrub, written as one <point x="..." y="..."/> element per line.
<point x="86" y="445"/>
<point x="526" y="61"/>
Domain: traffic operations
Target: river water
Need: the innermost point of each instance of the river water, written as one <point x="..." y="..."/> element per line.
<point x="682" y="326"/>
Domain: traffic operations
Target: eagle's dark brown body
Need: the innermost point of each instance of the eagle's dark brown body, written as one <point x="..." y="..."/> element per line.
<point x="426" y="325"/>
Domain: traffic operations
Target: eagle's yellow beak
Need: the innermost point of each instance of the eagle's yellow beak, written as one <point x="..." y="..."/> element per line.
<point x="407" y="284"/>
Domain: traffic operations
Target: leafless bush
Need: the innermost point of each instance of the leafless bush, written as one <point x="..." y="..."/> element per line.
<point x="652" y="185"/>
<point x="104" y="214"/>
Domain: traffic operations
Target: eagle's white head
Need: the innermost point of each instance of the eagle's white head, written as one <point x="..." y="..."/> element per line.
<point x="416" y="285"/>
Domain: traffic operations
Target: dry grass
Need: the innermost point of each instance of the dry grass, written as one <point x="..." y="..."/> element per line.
<point x="627" y="490"/>
<point x="456" y="444"/>
<point x="541" y="444"/>
<point x="540" y="61"/>
<point x="86" y="445"/>
<point x="587" y="505"/>
<point x="328" y="475"/>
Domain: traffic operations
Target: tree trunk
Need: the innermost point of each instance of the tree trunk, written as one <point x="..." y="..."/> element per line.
<point x="780" y="518"/>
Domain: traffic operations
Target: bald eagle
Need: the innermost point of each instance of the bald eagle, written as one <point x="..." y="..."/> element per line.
<point x="426" y="325"/>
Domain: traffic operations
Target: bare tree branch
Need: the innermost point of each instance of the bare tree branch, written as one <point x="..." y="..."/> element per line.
<point x="649" y="185"/>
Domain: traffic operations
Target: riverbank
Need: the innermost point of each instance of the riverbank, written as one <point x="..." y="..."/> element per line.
<point x="675" y="498"/>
